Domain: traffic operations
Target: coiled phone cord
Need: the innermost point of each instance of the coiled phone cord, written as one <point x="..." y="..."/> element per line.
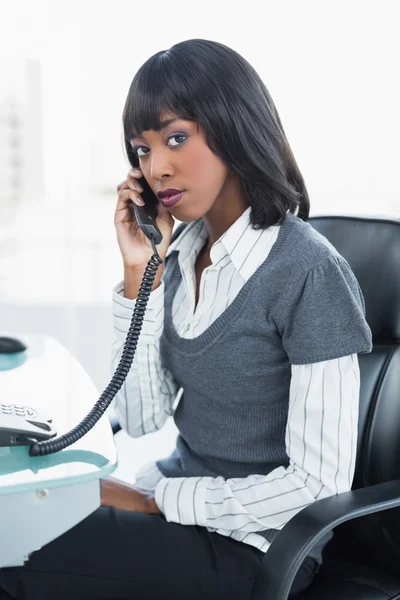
<point x="128" y="353"/>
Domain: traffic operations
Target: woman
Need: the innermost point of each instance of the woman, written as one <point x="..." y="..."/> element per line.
<point x="253" y="315"/>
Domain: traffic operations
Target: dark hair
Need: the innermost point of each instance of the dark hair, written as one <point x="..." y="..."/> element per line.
<point x="210" y="83"/>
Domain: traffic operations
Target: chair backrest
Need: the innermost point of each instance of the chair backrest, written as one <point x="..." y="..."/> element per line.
<point x="371" y="246"/>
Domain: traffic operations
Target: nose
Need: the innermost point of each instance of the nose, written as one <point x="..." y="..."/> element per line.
<point x="160" y="165"/>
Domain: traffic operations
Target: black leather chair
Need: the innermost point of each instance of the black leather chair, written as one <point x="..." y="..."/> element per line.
<point x="362" y="561"/>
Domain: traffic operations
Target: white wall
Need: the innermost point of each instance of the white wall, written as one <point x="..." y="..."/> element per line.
<point x="330" y="67"/>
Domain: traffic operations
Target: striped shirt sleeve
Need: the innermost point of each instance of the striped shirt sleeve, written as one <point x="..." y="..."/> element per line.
<point x="145" y="400"/>
<point x="321" y="441"/>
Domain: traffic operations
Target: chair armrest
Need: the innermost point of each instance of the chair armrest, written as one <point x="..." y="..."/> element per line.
<point x="294" y="542"/>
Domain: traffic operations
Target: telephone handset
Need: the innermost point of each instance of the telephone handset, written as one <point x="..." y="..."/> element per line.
<point x="40" y="447"/>
<point x="148" y="225"/>
<point x="146" y="215"/>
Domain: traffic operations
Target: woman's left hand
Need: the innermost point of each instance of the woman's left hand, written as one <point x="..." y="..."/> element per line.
<point x="125" y="497"/>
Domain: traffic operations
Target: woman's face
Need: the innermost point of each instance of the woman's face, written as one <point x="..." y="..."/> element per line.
<point x="178" y="157"/>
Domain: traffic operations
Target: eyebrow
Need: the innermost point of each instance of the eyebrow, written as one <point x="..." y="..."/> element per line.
<point x="163" y="125"/>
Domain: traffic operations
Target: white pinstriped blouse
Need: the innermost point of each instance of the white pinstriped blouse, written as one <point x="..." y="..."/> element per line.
<point x="323" y="400"/>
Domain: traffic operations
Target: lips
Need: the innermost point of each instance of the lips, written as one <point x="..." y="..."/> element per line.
<point x="168" y="192"/>
<point x="169" y="201"/>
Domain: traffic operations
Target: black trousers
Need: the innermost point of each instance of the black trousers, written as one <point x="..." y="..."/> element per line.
<point x="119" y="555"/>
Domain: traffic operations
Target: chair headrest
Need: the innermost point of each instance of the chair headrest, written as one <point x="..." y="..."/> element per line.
<point x="371" y="246"/>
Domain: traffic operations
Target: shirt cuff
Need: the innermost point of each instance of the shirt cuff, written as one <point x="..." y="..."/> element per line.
<point x="182" y="499"/>
<point x="153" y="318"/>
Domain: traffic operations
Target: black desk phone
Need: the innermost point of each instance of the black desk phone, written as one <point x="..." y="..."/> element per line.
<point x="21" y="425"/>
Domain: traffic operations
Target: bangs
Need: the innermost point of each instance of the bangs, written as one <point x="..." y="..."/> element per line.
<point x="156" y="89"/>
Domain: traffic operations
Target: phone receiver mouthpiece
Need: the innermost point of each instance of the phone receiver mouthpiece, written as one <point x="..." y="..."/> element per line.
<point x="147" y="224"/>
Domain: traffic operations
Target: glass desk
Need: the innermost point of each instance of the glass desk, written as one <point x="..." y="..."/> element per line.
<point x="42" y="497"/>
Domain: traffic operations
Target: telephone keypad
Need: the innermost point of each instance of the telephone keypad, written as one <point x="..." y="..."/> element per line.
<point x="18" y="410"/>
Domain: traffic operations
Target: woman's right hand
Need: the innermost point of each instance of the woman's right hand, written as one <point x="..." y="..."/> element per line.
<point x="135" y="247"/>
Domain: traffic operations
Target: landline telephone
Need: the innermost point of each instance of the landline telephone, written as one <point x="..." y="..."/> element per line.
<point x="22" y="425"/>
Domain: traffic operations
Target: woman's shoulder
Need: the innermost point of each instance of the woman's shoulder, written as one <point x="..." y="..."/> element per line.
<point x="306" y="247"/>
<point x="302" y="253"/>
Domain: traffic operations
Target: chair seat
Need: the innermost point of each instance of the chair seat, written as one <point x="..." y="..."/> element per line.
<point x="344" y="580"/>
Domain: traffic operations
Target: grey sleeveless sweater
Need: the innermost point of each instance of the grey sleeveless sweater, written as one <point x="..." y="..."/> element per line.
<point x="302" y="305"/>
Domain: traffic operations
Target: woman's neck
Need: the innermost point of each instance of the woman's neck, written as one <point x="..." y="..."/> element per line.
<point x="227" y="208"/>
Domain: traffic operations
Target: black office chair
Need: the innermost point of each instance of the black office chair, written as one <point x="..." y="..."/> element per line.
<point x="362" y="561"/>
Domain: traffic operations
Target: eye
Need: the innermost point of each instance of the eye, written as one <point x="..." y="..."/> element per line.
<point x="136" y="150"/>
<point x="177" y="136"/>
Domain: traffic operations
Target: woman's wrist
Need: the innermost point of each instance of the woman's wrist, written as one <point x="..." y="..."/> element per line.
<point x="133" y="277"/>
<point x="126" y="497"/>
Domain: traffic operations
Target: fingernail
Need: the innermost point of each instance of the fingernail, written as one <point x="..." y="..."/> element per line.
<point x="140" y="201"/>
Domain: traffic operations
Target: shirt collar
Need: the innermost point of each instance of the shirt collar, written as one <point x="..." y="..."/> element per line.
<point x="235" y="244"/>
<point x="191" y="239"/>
